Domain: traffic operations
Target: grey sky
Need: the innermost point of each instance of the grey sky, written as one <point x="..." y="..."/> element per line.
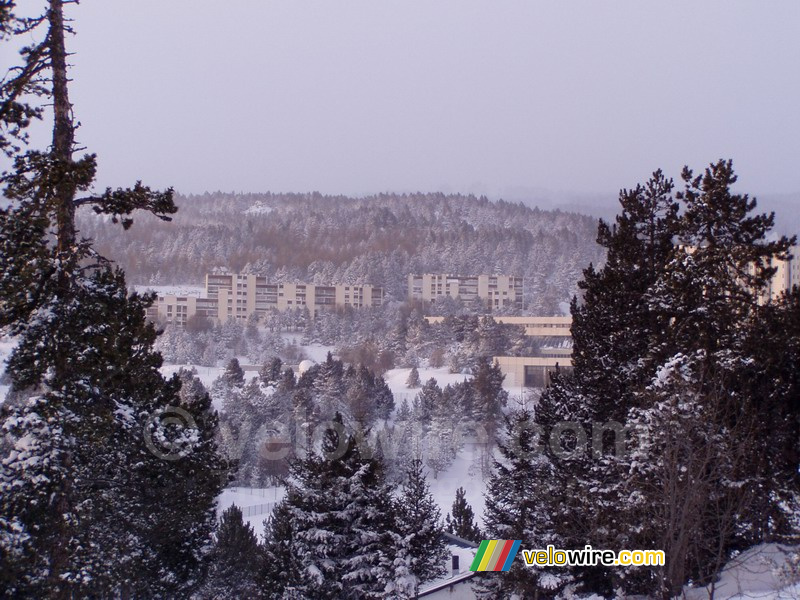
<point x="357" y="96"/>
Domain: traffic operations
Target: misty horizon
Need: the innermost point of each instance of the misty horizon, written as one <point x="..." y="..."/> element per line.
<point x="517" y="101"/>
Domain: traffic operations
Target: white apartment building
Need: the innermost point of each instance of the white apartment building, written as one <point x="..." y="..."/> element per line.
<point x="494" y="290"/>
<point x="239" y="296"/>
<point x="179" y="309"/>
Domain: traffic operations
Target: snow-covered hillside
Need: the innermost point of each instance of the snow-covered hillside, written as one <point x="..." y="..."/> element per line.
<point x="766" y="571"/>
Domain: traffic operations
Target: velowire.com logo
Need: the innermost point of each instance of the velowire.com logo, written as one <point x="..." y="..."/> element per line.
<point x="495" y="555"/>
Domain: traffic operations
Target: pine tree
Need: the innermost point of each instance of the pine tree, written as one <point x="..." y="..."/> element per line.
<point x="235" y="559"/>
<point x="487" y="381"/>
<point x="430" y="400"/>
<point x="270" y="373"/>
<point x="109" y="482"/>
<point x="345" y="536"/>
<point x="413" y="380"/>
<point x="462" y="522"/>
<point x="281" y="567"/>
<point x="233" y="374"/>
<point x="664" y="342"/>
<point x="519" y="506"/>
<point x="329" y="388"/>
<point x="420" y="522"/>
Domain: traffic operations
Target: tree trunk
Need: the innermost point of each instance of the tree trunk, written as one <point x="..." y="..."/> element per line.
<point x="63" y="129"/>
<point x="64" y="195"/>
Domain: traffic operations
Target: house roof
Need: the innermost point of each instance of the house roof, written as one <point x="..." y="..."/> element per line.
<point x="456" y="546"/>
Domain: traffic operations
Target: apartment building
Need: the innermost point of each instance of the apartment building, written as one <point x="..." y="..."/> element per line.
<point x="239" y="296"/>
<point x="787" y="275"/>
<point x="494" y="290"/>
<point x="179" y="309"/>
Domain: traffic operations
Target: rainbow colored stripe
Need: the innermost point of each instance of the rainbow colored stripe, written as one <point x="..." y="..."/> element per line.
<point x="495" y="555"/>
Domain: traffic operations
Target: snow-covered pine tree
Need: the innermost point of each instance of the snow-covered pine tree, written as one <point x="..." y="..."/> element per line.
<point x="270" y="373"/>
<point x="329" y="388"/>
<point x="419" y="520"/>
<point x="488" y="400"/>
<point x="280" y="570"/>
<point x="461" y="520"/>
<point x="709" y="297"/>
<point x="429" y="399"/>
<point x="345" y="535"/>
<point x="520" y="505"/>
<point x="235" y="561"/>
<point x="774" y="385"/>
<point x="611" y="329"/>
<point x="233" y="373"/>
<point x="676" y="284"/>
<point x="100" y="495"/>
<point x="413" y="380"/>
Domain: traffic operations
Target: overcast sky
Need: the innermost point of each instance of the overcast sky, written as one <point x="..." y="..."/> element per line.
<point x="360" y="96"/>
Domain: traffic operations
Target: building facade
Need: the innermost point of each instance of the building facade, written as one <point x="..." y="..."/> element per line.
<point x="544" y="327"/>
<point x="239" y="296"/>
<point x="531" y="371"/>
<point x="494" y="290"/>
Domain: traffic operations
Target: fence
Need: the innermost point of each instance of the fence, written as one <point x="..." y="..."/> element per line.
<point x="274" y="492"/>
<point x="258" y="509"/>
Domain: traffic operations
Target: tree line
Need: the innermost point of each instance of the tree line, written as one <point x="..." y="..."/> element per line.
<point x="379" y="240"/>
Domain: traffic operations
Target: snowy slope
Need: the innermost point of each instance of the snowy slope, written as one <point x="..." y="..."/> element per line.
<point x="396" y="380"/>
<point x="767" y="571"/>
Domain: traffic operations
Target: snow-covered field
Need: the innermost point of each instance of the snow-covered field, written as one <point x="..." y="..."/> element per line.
<point x="396" y="380"/>
<point x="464" y="472"/>
<point x="766" y="571"/>
<point x="315" y="352"/>
<point x="256" y="503"/>
<point x="206" y="375"/>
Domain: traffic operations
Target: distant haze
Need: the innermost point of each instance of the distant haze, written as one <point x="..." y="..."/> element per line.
<point x="512" y="98"/>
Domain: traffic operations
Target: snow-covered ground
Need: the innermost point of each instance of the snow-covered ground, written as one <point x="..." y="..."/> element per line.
<point x="316" y="352"/>
<point x="206" y="375"/>
<point x="256" y="503"/>
<point x="464" y="472"/>
<point x="396" y="380"/>
<point x="767" y="571"/>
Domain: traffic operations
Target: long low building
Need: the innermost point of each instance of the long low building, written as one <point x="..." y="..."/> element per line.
<point x="240" y="296"/>
<point x="531" y="371"/>
<point x="534" y="326"/>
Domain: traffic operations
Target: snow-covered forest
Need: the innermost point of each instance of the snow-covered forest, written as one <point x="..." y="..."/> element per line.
<point x="379" y="240"/>
<point x="126" y="451"/>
